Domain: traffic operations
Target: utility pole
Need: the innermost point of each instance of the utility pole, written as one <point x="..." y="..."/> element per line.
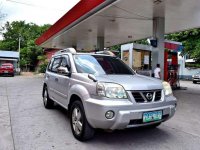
<point x="19" y="50"/>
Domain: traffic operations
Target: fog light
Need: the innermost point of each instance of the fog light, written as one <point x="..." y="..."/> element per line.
<point x="109" y="114"/>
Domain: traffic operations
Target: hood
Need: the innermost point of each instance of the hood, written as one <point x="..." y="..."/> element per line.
<point x="197" y="75"/>
<point x="132" y="82"/>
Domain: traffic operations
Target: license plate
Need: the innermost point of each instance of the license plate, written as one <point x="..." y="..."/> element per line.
<point x="5" y="71"/>
<point x="152" y="116"/>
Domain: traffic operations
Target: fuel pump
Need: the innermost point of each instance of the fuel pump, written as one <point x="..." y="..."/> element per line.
<point x="171" y="67"/>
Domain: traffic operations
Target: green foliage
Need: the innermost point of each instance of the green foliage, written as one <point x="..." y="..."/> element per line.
<point x="192" y="65"/>
<point x="28" y="33"/>
<point x="30" y="53"/>
<point x="143" y="41"/>
<point x="43" y="63"/>
<point x="116" y="49"/>
<point x="42" y="67"/>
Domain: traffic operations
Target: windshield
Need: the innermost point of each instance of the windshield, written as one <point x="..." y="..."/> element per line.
<point x="99" y="65"/>
<point x="198" y="72"/>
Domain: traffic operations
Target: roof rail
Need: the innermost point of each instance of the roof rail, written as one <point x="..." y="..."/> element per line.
<point x="106" y="52"/>
<point x="67" y="50"/>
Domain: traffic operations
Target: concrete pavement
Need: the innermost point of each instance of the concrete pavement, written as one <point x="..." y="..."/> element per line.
<point x="6" y="139"/>
<point x="35" y="128"/>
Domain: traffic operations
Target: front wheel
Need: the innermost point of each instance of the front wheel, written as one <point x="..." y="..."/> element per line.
<point x="194" y="82"/>
<point x="79" y="124"/>
<point x="48" y="103"/>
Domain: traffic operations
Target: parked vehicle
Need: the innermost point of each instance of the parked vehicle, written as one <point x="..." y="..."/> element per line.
<point x="7" y="69"/>
<point x="100" y="91"/>
<point x="196" y="77"/>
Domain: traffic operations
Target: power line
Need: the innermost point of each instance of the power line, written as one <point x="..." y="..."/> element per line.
<point x="33" y="5"/>
<point x="28" y="4"/>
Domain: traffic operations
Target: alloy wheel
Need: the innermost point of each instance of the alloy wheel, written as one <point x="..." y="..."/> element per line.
<point x="77" y="122"/>
<point x="45" y="97"/>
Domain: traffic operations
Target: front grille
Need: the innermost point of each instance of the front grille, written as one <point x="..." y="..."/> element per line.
<point x="147" y="96"/>
<point x="158" y="96"/>
<point x="138" y="97"/>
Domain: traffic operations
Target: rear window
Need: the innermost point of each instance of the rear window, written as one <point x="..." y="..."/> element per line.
<point x="6" y="66"/>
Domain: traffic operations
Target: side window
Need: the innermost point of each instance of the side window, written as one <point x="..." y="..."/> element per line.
<point x="50" y="64"/>
<point x="65" y="62"/>
<point x="56" y="64"/>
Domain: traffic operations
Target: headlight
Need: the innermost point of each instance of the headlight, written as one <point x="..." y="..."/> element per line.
<point x="111" y="90"/>
<point x="167" y="88"/>
<point x="192" y="76"/>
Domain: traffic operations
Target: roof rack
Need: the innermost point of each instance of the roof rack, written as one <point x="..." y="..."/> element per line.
<point x="106" y="52"/>
<point x="67" y="50"/>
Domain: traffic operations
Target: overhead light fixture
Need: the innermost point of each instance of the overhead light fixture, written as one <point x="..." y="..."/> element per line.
<point x="157" y="1"/>
<point x="112" y="20"/>
<point x="130" y="36"/>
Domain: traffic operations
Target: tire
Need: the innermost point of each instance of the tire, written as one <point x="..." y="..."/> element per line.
<point x="194" y="82"/>
<point x="48" y="103"/>
<point x="80" y="127"/>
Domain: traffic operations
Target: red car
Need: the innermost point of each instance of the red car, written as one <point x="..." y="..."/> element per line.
<point x="7" y="69"/>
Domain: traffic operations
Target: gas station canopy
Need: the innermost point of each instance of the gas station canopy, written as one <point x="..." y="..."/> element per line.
<point x="118" y="21"/>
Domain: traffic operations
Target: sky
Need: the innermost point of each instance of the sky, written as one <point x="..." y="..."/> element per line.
<point x="36" y="11"/>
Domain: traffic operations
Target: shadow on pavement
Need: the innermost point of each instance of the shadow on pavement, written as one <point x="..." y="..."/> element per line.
<point x="134" y="135"/>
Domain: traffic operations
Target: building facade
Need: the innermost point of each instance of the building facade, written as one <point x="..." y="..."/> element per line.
<point x="184" y="71"/>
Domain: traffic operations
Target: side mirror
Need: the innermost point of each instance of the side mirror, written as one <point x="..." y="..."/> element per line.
<point x="63" y="70"/>
<point x="92" y="77"/>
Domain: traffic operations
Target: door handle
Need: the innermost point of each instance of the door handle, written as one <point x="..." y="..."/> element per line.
<point x="56" y="79"/>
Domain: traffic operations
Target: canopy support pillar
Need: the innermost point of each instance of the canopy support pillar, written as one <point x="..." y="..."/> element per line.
<point x="159" y="52"/>
<point x="100" y="43"/>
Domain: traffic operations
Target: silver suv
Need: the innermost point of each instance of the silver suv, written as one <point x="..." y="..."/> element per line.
<point x="196" y="77"/>
<point x="100" y="91"/>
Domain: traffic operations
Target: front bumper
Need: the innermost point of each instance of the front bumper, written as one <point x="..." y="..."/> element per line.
<point x="127" y="113"/>
<point x="6" y="72"/>
<point x="196" y="79"/>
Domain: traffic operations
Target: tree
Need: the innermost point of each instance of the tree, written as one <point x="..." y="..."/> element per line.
<point x="28" y="32"/>
<point x="43" y="63"/>
<point x="29" y="55"/>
